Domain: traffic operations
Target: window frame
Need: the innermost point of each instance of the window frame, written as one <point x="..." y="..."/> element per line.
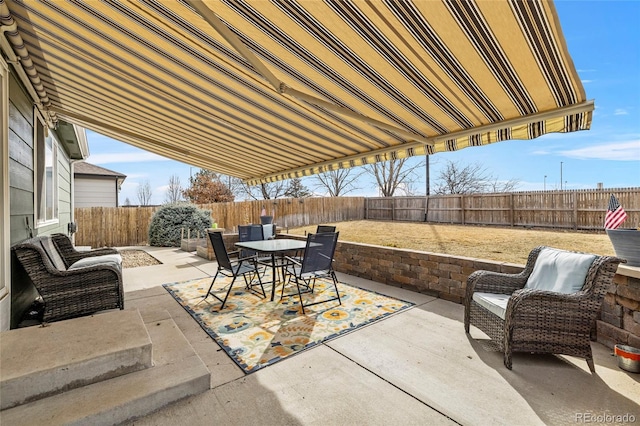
<point x="42" y="184"/>
<point x="5" y="226"/>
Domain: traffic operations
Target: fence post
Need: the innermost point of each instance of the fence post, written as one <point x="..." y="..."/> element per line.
<point x="393" y="208"/>
<point x="464" y="219"/>
<point x="426" y="208"/>
<point x="512" y="212"/>
<point x="575" y="210"/>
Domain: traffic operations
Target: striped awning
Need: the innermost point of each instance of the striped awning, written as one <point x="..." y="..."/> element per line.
<point x="270" y="90"/>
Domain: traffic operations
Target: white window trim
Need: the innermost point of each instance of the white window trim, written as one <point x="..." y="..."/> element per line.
<point x="5" y="226"/>
<point x="54" y="149"/>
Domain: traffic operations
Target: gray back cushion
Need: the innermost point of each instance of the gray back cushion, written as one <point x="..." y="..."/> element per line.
<point x="52" y="253"/>
<point x="560" y="271"/>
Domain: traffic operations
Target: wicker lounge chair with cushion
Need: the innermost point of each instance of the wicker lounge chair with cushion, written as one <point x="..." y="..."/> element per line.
<point x="89" y="285"/>
<point x="550" y="307"/>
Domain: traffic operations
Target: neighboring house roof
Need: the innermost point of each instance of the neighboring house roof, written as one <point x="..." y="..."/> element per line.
<point x="83" y="168"/>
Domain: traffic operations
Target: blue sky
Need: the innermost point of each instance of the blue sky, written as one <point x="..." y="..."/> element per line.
<point x="603" y="38"/>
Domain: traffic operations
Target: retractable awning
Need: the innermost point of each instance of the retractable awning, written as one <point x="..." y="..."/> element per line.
<point x="270" y="90"/>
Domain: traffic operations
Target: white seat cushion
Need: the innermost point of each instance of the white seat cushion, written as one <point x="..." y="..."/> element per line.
<point x="560" y="271"/>
<point x="267" y="231"/>
<point x="113" y="259"/>
<point x="495" y="303"/>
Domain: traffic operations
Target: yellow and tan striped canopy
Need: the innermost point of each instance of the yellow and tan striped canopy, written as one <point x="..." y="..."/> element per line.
<point x="269" y="90"/>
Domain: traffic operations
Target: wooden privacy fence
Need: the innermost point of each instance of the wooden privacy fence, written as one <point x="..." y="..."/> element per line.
<point x="129" y="226"/>
<point x="582" y="209"/>
<point x="579" y="209"/>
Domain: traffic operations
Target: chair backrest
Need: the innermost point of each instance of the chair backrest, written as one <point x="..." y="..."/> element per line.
<point x="325" y="228"/>
<point x="52" y="253"/>
<point x="249" y="233"/>
<point x="318" y="254"/>
<point x="220" y="250"/>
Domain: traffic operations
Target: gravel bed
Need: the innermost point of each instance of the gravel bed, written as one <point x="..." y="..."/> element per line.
<point x="135" y="258"/>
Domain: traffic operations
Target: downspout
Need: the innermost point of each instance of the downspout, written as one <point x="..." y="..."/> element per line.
<point x="13" y="46"/>
<point x="81" y="136"/>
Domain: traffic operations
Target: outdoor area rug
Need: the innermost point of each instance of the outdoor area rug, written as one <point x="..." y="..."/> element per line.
<point x="256" y="332"/>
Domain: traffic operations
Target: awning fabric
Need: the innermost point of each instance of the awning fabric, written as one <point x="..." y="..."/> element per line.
<point x="271" y="90"/>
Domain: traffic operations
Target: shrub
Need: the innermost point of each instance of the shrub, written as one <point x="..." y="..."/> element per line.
<point x="167" y="223"/>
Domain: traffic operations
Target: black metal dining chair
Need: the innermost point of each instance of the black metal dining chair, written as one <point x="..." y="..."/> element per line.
<point x="325" y="228"/>
<point x="249" y="233"/>
<point x="243" y="266"/>
<point x="317" y="262"/>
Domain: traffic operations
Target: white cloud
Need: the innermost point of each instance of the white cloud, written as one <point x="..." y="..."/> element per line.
<point x="620" y="111"/>
<point x="615" y="151"/>
<point x="125" y="157"/>
<point x="586" y="81"/>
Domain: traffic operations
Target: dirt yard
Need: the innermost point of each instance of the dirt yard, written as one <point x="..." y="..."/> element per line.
<point x="483" y="242"/>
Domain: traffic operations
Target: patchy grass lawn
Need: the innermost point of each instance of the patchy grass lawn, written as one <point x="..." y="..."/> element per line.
<point x="482" y="242"/>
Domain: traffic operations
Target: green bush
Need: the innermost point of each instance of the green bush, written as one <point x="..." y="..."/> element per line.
<point x="169" y="220"/>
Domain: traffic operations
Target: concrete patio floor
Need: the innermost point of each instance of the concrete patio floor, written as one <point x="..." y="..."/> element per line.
<point x="415" y="367"/>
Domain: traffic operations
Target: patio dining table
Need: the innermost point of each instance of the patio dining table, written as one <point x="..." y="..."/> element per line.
<point x="273" y="248"/>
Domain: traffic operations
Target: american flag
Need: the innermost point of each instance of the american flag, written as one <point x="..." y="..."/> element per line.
<point x="615" y="214"/>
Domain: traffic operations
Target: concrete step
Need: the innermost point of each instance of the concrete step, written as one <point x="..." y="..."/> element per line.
<point x="34" y="365"/>
<point x="177" y="373"/>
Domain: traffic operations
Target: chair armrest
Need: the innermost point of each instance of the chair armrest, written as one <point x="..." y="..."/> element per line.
<point x="74" y="257"/>
<point x="69" y="253"/>
<point x="242" y="259"/>
<point x="293" y="260"/>
<point x="540" y="309"/>
<point x="495" y="282"/>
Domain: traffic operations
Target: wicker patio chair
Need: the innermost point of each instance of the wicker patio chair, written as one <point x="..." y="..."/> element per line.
<point x="69" y="293"/>
<point x="529" y="319"/>
<point x="70" y="255"/>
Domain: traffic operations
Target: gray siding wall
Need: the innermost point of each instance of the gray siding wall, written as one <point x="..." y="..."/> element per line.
<point x="95" y="192"/>
<point x="21" y="192"/>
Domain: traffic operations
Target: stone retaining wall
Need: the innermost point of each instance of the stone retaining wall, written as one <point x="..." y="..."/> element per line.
<point x="435" y="274"/>
<point x="619" y="321"/>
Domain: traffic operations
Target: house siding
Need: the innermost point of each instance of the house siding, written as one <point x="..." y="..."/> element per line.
<point x="21" y="192"/>
<point x="95" y="192"/>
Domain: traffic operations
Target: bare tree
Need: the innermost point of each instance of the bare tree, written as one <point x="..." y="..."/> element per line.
<point x="338" y="182"/>
<point x="504" y="186"/>
<point x="265" y="191"/>
<point x="174" y="190"/>
<point x="144" y="193"/>
<point x="127" y="202"/>
<point x="393" y="174"/>
<point x="470" y="179"/>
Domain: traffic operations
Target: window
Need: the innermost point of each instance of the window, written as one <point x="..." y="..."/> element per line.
<point x="46" y="174"/>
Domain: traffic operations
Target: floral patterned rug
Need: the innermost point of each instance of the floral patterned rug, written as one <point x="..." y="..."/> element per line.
<point x="256" y="332"/>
